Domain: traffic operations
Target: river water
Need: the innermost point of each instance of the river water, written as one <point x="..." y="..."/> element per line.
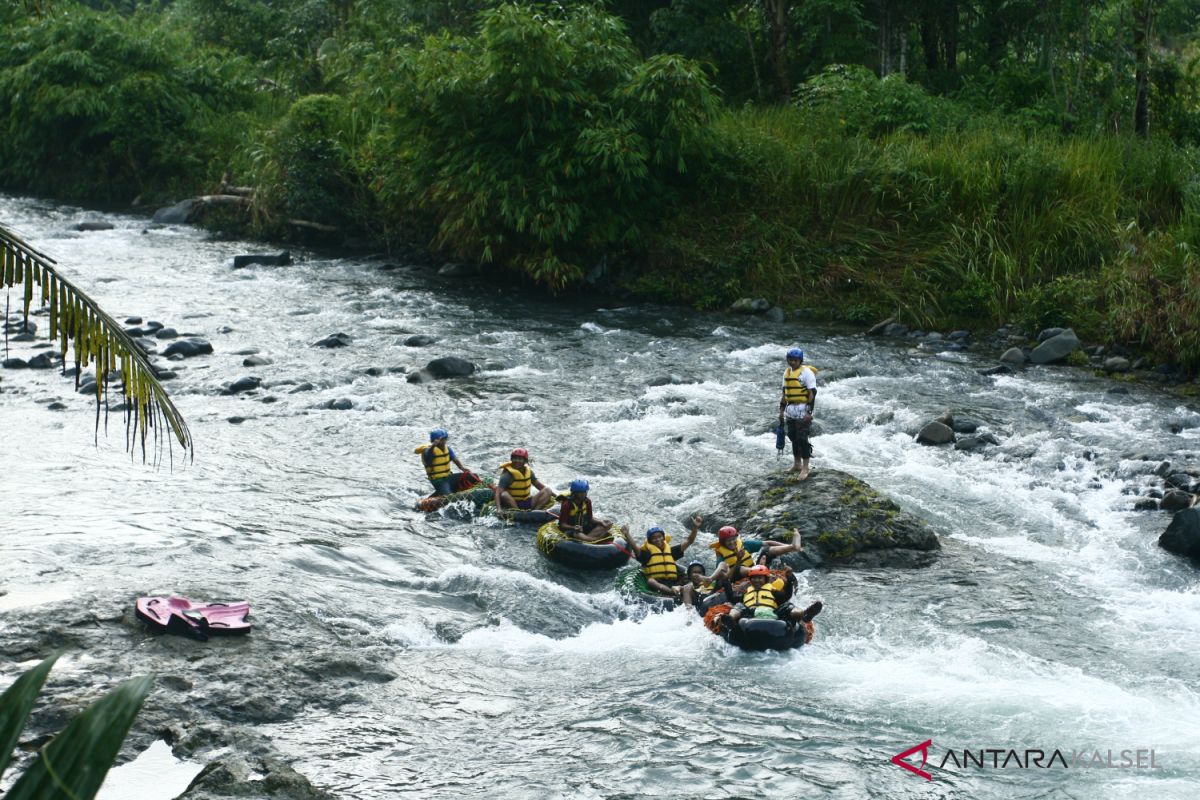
<point x="1051" y="619"/>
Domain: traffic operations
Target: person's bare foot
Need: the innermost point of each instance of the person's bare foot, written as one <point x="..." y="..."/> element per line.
<point x="803" y="475"/>
<point x="793" y="468"/>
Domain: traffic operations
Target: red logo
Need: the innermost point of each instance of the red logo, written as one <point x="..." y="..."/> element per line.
<point x="924" y="746"/>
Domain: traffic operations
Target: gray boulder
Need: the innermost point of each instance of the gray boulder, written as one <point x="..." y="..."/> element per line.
<point x="449" y="367"/>
<point x="1055" y="348"/>
<point x="247" y="384"/>
<point x="93" y="225"/>
<point x="1116" y="364"/>
<point x="1013" y="355"/>
<point x="335" y="340"/>
<point x="187" y="348"/>
<point x="420" y="340"/>
<point x="840" y="518"/>
<point x="1182" y="536"/>
<point x="45" y="360"/>
<point x="178" y="214"/>
<point x="936" y="433"/>
<point x="1176" y="500"/>
<point x="280" y="259"/>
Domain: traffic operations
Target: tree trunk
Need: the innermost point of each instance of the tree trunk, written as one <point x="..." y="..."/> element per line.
<point x="779" y="31"/>
<point x="1143" y="20"/>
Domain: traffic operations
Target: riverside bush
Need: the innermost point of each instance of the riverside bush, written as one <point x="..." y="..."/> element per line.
<point x="306" y="168"/>
<point x="99" y="107"/>
<point x="543" y="143"/>
<point x="986" y="223"/>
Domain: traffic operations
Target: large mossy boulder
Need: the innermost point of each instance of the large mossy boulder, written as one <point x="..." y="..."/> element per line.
<point x="842" y="520"/>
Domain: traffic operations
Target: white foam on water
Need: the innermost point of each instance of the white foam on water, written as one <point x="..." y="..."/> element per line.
<point x="155" y="773"/>
<point x="760" y="354"/>
<point x="519" y="371"/>
<point x="29" y="596"/>
<point x="655" y="634"/>
<point x="961" y="687"/>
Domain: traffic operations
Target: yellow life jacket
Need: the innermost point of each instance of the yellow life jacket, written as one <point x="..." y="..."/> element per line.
<point x="760" y="598"/>
<point x="730" y="557"/>
<point x="661" y="566"/>
<point x="519" y="488"/>
<point x="793" y="390"/>
<point x="574" y="513"/>
<point x="439" y="466"/>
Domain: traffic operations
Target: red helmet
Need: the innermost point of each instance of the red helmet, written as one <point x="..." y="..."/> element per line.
<point x="520" y="452"/>
<point x="728" y="532"/>
<point x="759" y="569"/>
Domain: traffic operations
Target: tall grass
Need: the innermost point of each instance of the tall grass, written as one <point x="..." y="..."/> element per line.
<point x="978" y="223"/>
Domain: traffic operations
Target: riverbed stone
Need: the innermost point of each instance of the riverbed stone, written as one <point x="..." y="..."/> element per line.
<point x="235" y="776"/>
<point x="1013" y="355"/>
<point x="280" y="259"/>
<point x="1055" y="348"/>
<point x="420" y="340"/>
<point x="335" y="340"/>
<point x="935" y="433"/>
<point x="1175" y="500"/>
<point x="246" y="384"/>
<point x="449" y="367"/>
<point x="178" y="214"/>
<point x="256" y="361"/>
<point x="166" y="333"/>
<point x="842" y="520"/>
<point x="93" y="225"/>
<point x="1182" y="536"/>
<point x="1116" y="364"/>
<point x="45" y="360"/>
<point x="188" y="348"/>
<point x="14" y="363"/>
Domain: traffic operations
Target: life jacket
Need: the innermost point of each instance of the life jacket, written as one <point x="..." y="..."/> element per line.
<point x="661" y="566"/>
<point x="793" y="390"/>
<point x="439" y="466"/>
<point x="572" y="514"/>
<point x="730" y="557"/>
<point x="760" y="598"/>
<point x="519" y="488"/>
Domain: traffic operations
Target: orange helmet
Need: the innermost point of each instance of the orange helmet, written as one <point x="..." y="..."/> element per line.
<point x="728" y="532"/>
<point x="759" y="570"/>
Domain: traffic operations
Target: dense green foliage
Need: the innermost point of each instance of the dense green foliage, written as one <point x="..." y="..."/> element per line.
<point x="943" y="160"/>
<point x="96" y="107"/>
<point x="540" y="141"/>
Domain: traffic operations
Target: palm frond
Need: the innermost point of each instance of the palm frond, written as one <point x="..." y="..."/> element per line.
<point x="97" y="339"/>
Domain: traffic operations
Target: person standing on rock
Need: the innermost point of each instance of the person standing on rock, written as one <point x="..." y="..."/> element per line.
<point x="796" y="409"/>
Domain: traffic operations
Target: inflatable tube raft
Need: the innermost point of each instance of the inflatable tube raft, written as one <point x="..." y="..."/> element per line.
<point x="562" y="549"/>
<point x="198" y="620"/>
<point x="750" y="633"/>
<point x="537" y="516"/>
<point x="631" y="584"/>
<point x="478" y="493"/>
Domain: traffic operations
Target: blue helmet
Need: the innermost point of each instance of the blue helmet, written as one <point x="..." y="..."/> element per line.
<point x="437" y="433"/>
<point x="579" y="485"/>
<point x="654" y="530"/>
<point x="796" y="352"/>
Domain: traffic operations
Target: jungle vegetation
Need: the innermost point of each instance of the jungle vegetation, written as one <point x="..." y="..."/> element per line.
<point x="949" y="162"/>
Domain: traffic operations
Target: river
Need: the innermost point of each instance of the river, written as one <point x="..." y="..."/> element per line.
<point x="432" y="656"/>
